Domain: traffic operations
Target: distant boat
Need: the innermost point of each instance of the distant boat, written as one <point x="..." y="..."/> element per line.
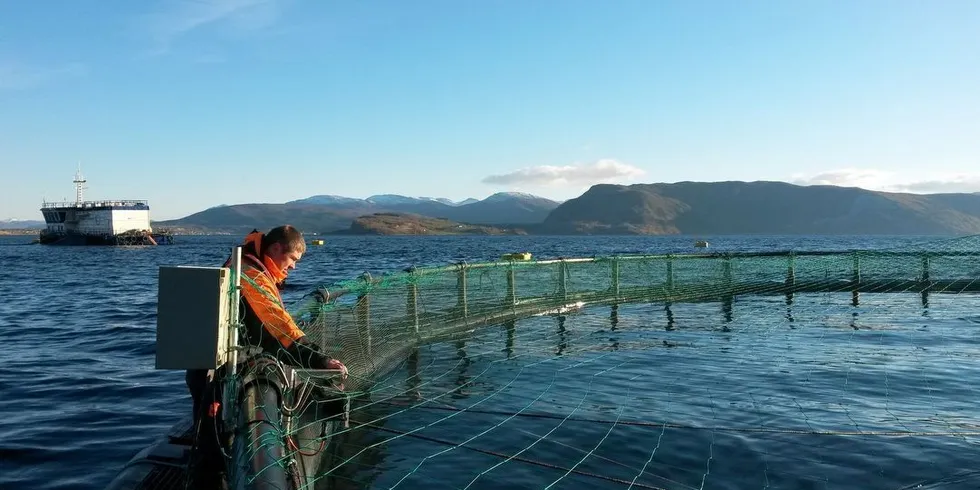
<point x="108" y="222"/>
<point x="701" y="244"/>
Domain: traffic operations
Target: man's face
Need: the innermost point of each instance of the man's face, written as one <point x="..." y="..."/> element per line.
<point x="283" y="259"/>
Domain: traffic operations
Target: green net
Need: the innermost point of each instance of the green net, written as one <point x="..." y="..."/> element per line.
<point x="663" y="371"/>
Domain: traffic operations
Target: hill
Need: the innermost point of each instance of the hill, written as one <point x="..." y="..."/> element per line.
<point x="21" y="224"/>
<point x="761" y="208"/>
<point x="411" y="224"/>
<point x="326" y="213"/>
<point x="505" y="207"/>
<point x="242" y="218"/>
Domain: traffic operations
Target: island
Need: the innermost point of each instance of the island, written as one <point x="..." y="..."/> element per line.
<point x="414" y="224"/>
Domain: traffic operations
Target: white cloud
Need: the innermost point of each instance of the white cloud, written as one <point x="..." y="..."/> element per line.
<point x="186" y="16"/>
<point x="953" y="183"/>
<point x="601" y="171"/>
<point x="17" y="76"/>
<point x="875" y="179"/>
<point x="867" y="178"/>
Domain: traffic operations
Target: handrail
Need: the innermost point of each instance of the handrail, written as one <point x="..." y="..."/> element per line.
<point x="715" y="255"/>
<point x="797" y="277"/>
<point x="342" y="288"/>
<point x="94" y="204"/>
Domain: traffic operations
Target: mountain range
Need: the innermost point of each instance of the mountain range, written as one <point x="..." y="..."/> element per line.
<point x="330" y="213"/>
<point x="696" y="208"/>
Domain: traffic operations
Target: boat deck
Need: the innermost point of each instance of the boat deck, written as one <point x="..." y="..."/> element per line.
<point x="161" y="466"/>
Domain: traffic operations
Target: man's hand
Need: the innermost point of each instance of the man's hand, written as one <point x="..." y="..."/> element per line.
<point x="318" y="360"/>
<point x="335" y="364"/>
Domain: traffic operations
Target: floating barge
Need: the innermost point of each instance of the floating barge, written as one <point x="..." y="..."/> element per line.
<point x="106" y="222"/>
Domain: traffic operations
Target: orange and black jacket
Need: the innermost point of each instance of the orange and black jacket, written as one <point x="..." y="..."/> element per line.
<point x="267" y="323"/>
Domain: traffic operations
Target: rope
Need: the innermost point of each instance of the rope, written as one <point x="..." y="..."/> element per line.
<point x="514" y="458"/>
<point x="640" y="423"/>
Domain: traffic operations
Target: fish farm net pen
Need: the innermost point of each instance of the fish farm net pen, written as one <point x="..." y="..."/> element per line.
<point x="653" y="371"/>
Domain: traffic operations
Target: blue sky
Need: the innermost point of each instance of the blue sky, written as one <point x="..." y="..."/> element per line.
<point x="192" y="104"/>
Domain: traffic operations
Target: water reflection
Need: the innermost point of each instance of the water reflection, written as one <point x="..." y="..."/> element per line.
<point x="509" y="325"/>
<point x="670" y="317"/>
<point x="789" y="309"/>
<point x="726" y="307"/>
<point x="562" y="336"/>
<point x="613" y="323"/>
<point x="413" y="381"/>
<point x="463" y="380"/>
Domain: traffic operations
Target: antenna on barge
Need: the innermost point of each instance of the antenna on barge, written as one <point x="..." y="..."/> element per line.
<point x="79" y="180"/>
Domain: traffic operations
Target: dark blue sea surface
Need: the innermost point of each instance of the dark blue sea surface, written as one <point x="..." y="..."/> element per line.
<point x="812" y="394"/>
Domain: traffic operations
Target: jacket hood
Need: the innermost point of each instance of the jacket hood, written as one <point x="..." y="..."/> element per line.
<point x="253" y="243"/>
<point x="252" y="246"/>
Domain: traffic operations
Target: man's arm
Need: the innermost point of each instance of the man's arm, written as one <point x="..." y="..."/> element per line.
<point x="259" y="291"/>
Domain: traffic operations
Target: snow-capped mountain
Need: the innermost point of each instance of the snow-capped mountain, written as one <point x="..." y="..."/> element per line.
<point x="396" y="200"/>
<point x="330" y="200"/>
<point x="378" y="200"/>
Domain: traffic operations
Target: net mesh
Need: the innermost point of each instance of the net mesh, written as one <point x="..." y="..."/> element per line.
<point x="782" y="370"/>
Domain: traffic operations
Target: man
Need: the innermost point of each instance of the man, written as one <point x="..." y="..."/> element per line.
<point x="266" y="262"/>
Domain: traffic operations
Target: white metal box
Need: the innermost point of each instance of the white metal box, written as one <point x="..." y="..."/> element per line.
<point x="192" y="317"/>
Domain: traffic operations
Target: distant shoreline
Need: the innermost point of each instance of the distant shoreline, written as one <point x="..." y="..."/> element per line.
<point x="19" y="232"/>
<point x="176" y="232"/>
